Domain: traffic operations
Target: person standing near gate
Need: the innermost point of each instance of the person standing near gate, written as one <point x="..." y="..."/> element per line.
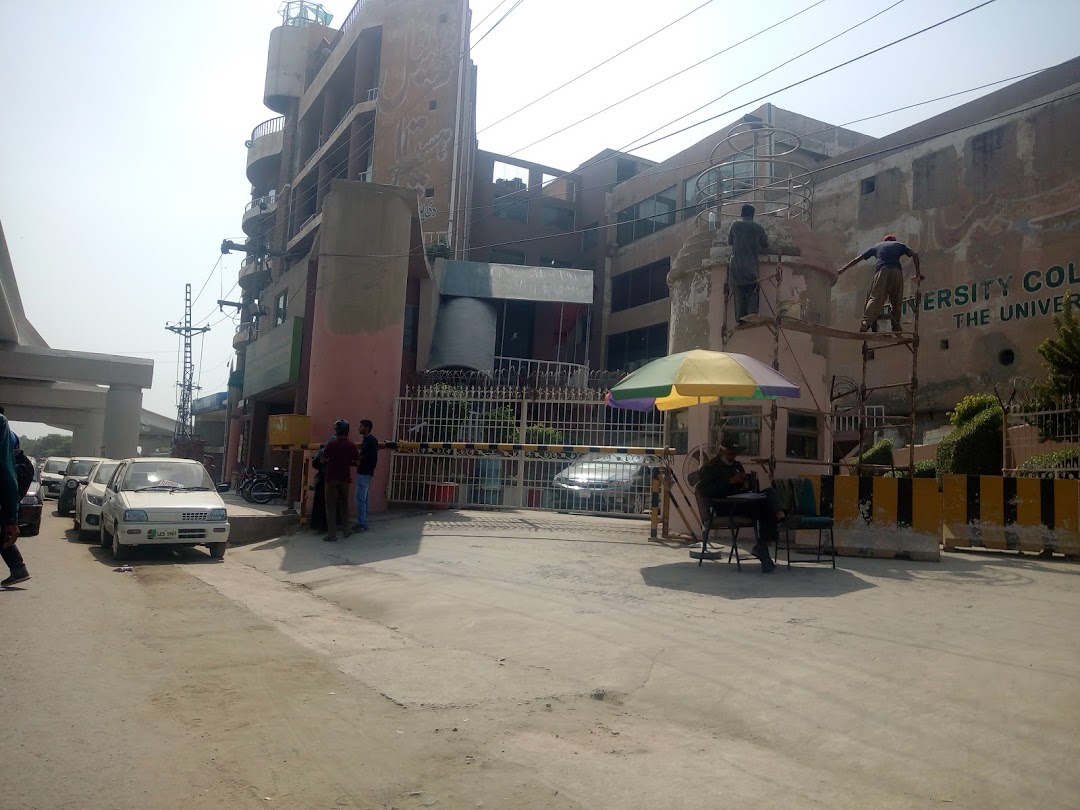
<point x="888" y="280"/>
<point x="339" y="455"/>
<point x="9" y="509"/>
<point x="369" y="457"/>
<point x="748" y="240"/>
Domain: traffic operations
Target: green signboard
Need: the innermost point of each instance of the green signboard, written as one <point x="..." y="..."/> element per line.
<point x="273" y="361"/>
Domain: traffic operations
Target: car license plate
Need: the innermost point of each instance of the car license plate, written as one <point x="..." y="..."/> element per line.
<point x="156" y="534"/>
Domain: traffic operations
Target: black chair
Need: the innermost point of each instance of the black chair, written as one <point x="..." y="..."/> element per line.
<point x="718" y="514"/>
<point x="807" y="518"/>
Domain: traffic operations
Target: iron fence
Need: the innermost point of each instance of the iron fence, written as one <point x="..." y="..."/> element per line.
<point x="590" y="474"/>
<point x="1043" y="439"/>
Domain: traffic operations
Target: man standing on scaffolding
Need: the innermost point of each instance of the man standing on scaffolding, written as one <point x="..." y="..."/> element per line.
<point x="888" y="280"/>
<point x="748" y="240"/>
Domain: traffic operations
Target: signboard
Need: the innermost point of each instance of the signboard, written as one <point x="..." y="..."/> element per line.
<point x="273" y="361"/>
<point x="210" y="403"/>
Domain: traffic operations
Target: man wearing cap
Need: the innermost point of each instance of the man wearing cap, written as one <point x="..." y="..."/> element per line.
<point x="888" y="280"/>
<point x="722" y="477"/>
<point x="748" y="240"/>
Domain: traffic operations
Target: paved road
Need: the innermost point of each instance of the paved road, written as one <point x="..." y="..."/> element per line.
<point x="534" y="661"/>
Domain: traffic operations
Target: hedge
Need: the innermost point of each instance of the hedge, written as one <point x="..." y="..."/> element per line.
<point x="926" y="468"/>
<point x="880" y="453"/>
<point x="1068" y="461"/>
<point x="974" y="448"/>
<point x="970" y="407"/>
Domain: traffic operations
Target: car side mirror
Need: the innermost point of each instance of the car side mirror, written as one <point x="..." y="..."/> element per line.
<point x="222" y="487"/>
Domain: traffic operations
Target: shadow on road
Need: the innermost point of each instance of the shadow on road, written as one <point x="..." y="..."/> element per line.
<point x="141" y="556"/>
<point x="726" y="581"/>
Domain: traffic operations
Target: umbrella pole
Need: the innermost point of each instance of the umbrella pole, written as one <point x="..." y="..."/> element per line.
<point x="665" y="501"/>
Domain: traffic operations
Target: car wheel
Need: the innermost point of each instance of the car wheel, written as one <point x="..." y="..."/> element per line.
<point x="119" y="551"/>
<point x="78" y="523"/>
<point x="104" y="538"/>
<point x="31" y="531"/>
<point x="217" y="550"/>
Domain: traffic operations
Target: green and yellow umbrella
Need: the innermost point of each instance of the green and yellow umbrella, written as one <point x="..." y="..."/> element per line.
<point x="698" y="377"/>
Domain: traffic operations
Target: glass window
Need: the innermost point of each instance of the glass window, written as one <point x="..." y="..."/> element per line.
<point x="802" y="435"/>
<point x="516" y="210"/>
<point x="679" y="431"/>
<point x="281" y="307"/>
<point x="646" y="217"/>
<point x="79" y="467"/>
<point x="559" y="216"/>
<point x="625" y="169"/>
<point x="105" y="472"/>
<point x="630" y="350"/>
<point x="547" y="261"/>
<point x="620" y="292"/>
<point x="412" y="328"/>
<point x="590" y="237"/>
<point x="642" y="285"/>
<point x="166" y="475"/>
<point x="55" y="465"/>
<point x="743" y="424"/>
<point x="504" y="256"/>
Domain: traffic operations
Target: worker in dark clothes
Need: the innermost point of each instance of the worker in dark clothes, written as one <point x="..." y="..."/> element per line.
<point x="748" y="240"/>
<point x="9" y="510"/>
<point x="339" y="455"/>
<point x="723" y="476"/>
<point x="369" y="457"/>
<point x="317" y="519"/>
<point x="888" y="280"/>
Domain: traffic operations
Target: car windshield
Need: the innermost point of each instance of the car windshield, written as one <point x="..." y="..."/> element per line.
<point x="104" y="472"/>
<point x="166" y="475"/>
<point x="55" y="465"/>
<point x="80" y="467"/>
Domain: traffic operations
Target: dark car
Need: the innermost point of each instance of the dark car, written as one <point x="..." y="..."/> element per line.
<point x="30" y="507"/>
<point x="612" y="483"/>
<point x="76" y="475"/>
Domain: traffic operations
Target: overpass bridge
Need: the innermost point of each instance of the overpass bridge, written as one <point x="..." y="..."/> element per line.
<point x="98" y="397"/>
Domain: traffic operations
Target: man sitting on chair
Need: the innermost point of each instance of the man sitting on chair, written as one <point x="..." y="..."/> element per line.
<point x="723" y="476"/>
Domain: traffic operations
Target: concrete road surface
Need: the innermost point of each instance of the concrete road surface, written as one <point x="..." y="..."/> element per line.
<point x="533" y="661"/>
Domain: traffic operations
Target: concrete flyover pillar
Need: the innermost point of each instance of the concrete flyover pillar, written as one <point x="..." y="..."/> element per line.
<point x="123" y="415"/>
<point x="88" y="438"/>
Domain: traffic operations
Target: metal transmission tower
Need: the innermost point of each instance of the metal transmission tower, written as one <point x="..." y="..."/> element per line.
<point x="184" y="436"/>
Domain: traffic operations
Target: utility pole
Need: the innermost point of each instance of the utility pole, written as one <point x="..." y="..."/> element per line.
<point x="184" y="436"/>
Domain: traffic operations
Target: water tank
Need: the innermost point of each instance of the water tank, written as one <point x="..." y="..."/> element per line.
<point x="464" y="336"/>
<point x="286" y="63"/>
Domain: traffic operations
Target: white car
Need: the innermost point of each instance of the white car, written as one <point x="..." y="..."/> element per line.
<point x="91" y="496"/>
<point x="162" y="501"/>
<point x="52" y="476"/>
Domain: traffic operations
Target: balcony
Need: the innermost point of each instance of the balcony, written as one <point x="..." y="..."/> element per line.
<point x="253" y="274"/>
<point x="245" y="334"/>
<point x="259" y="214"/>
<point x="264" y="152"/>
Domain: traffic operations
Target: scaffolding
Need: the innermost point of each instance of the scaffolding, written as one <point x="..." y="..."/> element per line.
<point x="758" y="168"/>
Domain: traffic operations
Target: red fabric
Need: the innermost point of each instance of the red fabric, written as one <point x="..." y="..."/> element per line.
<point x="340" y="455"/>
<point x="888" y="238"/>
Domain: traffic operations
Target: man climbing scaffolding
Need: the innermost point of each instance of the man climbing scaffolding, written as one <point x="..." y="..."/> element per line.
<point x="888" y="282"/>
<point x="748" y="240"/>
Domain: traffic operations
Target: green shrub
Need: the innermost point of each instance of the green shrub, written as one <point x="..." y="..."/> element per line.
<point x="1066" y="460"/>
<point x="974" y="448"/>
<point x="880" y="453"/>
<point x="926" y="468"/>
<point x="540" y="433"/>
<point x="970" y="407"/>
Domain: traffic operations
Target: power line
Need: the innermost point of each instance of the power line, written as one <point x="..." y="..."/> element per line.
<point x="496" y="24"/>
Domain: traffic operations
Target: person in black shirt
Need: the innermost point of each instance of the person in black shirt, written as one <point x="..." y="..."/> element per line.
<point x="369" y="457"/>
<point x="748" y="240"/>
<point x="888" y="280"/>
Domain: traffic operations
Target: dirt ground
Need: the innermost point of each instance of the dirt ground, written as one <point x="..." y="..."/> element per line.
<point x="464" y="660"/>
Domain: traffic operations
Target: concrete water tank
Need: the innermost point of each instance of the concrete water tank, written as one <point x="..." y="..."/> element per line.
<point x="464" y="335"/>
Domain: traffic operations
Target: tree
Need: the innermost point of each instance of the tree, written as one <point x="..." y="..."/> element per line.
<point x="1055" y="399"/>
<point x="52" y="444"/>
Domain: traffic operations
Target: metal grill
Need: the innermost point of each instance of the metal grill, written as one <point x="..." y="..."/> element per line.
<point x="194" y="516"/>
<point x="191" y="534"/>
<point x="600" y="481"/>
<point x="1043" y="439"/>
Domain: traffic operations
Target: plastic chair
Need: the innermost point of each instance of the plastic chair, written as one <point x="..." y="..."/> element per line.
<point x="807" y="518"/>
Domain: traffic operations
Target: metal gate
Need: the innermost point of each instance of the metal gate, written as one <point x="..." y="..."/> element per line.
<point x="603" y="480"/>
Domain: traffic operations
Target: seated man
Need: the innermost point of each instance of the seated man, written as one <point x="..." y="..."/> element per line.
<point x="722" y="477"/>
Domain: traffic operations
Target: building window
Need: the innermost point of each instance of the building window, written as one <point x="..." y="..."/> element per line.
<point x="444" y="17"/>
<point x="867" y="185"/>
<point x="429" y="192"/>
<point x="627" y="351"/>
<point x="281" y="307"/>
<point x="590" y="237"/>
<point x="648" y="216"/>
<point x="802" y="435"/>
<point x="547" y="261"/>
<point x="558" y="216"/>
<point x="412" y="328"/>
<point x="517" y="210"/>
<point x="743" y="425"/>
<point x="625" y="169"/>
<point x="433" y="104"/>
<point x="640" y="286"/>
<point x="679" y="431"/>
<point x="504" y="256"/>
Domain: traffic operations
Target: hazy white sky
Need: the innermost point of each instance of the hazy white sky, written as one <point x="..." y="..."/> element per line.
<point x="122" y="151"/>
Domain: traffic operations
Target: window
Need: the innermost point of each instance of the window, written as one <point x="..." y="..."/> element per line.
<point x="433" y="105"/>
<point x="802" y="435"/>
<point x="679" y="431"/>
<point x="558" y="216"/>
<point x="742" y="425"/>
<point x="648" y="216"/>
<point x="547" y="261"/>
<point x="867" y="185"/>
<point x="281" y="307"/>
<point x="412" y="328"/>
<point x="642" y="285"/>
<point x="627" y="351"/>
<point x="429" y="192"/>
<point x="944" y="345"/>
<point x="517" y="210"/>
<point x="590" y="237"/>
<point x="444" y="17"/>
<point x="625" y="169"/>
<point x="504" y="256"/>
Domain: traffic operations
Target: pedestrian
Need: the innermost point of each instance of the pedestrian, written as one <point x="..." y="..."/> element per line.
<point x="888" y="282"/>
<point x="9" y="510"/>
<point x="211" y="468"/>
<point x="317" y="520"/>
<point x="369" y="457"/>
<point x="724" y="476"/>
<point x="339" y="455"/>
<point x="748" y="240"/>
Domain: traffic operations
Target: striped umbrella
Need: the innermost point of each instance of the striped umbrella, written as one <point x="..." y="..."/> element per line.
<point x="698" y="377"/>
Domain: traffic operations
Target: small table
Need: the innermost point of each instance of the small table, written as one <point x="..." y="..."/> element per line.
<point x="734" y="522"/>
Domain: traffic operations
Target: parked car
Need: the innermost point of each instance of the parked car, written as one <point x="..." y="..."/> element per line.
<point x="52" y="476"/>
<point x="618" y="483"/>
<point x="91" y="496"/>
<point x="77" y="474"/>
<point x="30" y="507"/>
<point x="162" y="501"/>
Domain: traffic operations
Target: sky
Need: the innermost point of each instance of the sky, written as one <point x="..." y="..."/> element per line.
<point x="122" y="155"/>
